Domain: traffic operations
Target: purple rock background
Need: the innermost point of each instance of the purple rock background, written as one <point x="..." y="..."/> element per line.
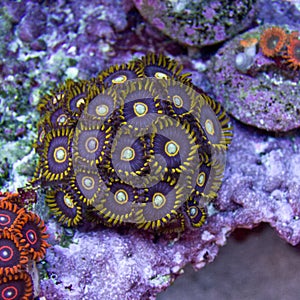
<point x="262" y="177"/>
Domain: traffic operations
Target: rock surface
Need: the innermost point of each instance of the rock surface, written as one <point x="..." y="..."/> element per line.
<point x="197" y="23"/>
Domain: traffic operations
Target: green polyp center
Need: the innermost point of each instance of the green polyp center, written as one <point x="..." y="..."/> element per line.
<point x="160" y="75"/>
<point x="209" y="126"/>
<point x="140" y="109"/>
<point x="193" y="211"/>
<point x="61" y="119"/>
<point x="60" y="154"/>
<point x="121" y="196"/>
<point x="119" y="79"/>
<point x="68" y="201"/>
<point x="201" y="179"/>
<point x="171" y="148"/>
<point x="91" y="144"/>
<point x="127" y="154"/>
<point x="177" y="100"/>
<point x="88" y="182"/>
<point x="102" y="110"/>
<point x="158" y="200"/>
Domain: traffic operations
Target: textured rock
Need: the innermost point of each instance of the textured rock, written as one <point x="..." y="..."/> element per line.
<point x="127" y="265"/>
<point x="279" y="12"/>
<point x="198" y="23"/>
<point x="33" y="23"/>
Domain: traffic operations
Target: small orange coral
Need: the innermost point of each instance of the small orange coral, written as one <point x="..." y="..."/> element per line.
<point x="293" y="54"/>
<point x="248" y="42"/>
<point x="272" y="41"/>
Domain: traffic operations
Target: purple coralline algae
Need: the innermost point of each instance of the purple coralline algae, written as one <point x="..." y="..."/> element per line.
<point x="198" y="23"/>
<point x="264" y="92"/>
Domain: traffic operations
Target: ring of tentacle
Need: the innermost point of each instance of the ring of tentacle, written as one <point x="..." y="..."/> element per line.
<point x="88" y="185"/>
<point x="139" y="144"/>
<point x="196" y="213"/>
<point x="142" y="103"/>
<point x="13" y="253"/>
<point x="272" y="41"/>
<point x="33" y="234"/>
<point x="293" y="53"/>
<point x="102" y="103"/>
<point x="9" y="214"/>
<point x="76" y="97"/>
<point x="89" y="142"/>
<point x="181" y="98"/>
<point x="119" y="204"/>
<point x="17" y="286"/>
<point x="207" y="178"/>
<point x="161" y="67"/>
<point x="63" y="205"/>
<point x="161" y="204"/>
<point x="175" y="142"/>
<point x="284" y="46"/>
<point x="56" y="159"/>
<point x="117" y="74"/>
<point x="128" y="154"/>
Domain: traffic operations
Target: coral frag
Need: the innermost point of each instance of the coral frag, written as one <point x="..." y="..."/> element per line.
<point x="137" y="144"/>
<point x="277" y="43"/>
<point x="262" y="88"/>
<point x="22" y="240"/>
